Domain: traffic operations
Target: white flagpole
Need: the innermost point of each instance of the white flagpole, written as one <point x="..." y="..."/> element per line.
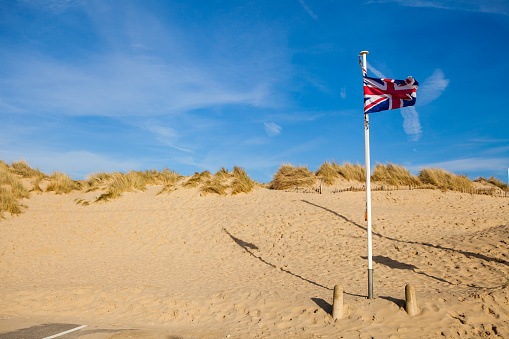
<point x="368" y="189"/>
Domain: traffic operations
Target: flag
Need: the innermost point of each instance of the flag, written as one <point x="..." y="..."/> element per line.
<point x="385" y="94"/>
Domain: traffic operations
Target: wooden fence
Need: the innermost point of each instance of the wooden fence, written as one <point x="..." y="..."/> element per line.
<point x="496" y="192"/>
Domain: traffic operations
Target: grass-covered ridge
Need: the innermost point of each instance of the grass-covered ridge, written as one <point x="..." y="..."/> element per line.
<point x="18" y="180"/>
<point x="289" y="176"/>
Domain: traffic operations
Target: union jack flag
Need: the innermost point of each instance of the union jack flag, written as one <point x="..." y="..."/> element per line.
<point x="385" y="94"/>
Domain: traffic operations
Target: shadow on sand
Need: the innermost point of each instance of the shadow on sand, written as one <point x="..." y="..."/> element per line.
<point x="465" y="253"/>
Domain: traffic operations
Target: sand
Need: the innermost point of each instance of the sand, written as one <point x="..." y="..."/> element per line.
<point x="258" y="265"/>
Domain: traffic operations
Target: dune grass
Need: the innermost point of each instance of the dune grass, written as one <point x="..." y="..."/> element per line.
<point x="94" y="181"/>
<point x="223" y="174"/>
<point x="119" y="183"/>
<point x="214" y="185"/>
<point x="168" y="179"/>
<point x="328" y="172"/>
<point x="352" y="172"/>
<point x="289" y="176"/>
<point x="493" y="181"/>
<point x="11" y="190"/>
<point x="237" y="181"/>
<point x="395" y="175"/>
<point x="197" y="179"/>
<point x="444" y="180"/>
<point x="23" y="169"/>
<point x="241" y="181"/>
<point x="60" y="183"/>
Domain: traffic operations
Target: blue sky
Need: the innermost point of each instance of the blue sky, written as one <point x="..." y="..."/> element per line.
<point x="91" y="86"/>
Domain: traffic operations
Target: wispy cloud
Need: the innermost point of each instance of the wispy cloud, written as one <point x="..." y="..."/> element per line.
<point x="432" y="87"/>
<point x="343" y="93"/>
<point x="411" y="123"/>
<point x="55" y="6"/>
<point x="165" y="135"/>
<point x="308" y="10"/>
<point x="374" y="70"/>
<point x="145" y="67"/>
<point x="119" y="85"/>
<point x="272" y="129"/>
<point x="467" y="165"/>
<point x="486" y="6"/>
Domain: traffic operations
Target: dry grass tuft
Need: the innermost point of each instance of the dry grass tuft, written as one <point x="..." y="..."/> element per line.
<point x="288" y="176"/>
<point x="444" y="180"/>
<point x="123" y="182"/>
<point x="219" y="183"/>
<point x="168" y="179"/>
<point x="94" y="181"/>
<point x="22" y="168"/>
<point x="395" y="175"/>
<point x="223" y="174"/>
<point x="11" y="191"/>
<point x="494" y="181"/>
<point x="355" y="172"/>
<point x="241" y="181"/>
<point x="197" y="179"/>
<point x="328" y="172"/>
<point x="214" y="185"/>
<point x="61" y="183"/>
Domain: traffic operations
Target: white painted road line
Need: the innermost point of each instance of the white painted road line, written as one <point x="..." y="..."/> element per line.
<point x="62" y="333"/>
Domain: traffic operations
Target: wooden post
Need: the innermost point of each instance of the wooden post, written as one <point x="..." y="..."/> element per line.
<point x="411" y="301"/>
<point x="337" y="303"/>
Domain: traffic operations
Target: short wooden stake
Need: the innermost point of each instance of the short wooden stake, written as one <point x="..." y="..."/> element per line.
<point x="411" y="301"/>
<point x="337" y="303"/>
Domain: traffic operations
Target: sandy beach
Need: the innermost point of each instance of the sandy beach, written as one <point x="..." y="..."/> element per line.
<point x="258" y="265"/>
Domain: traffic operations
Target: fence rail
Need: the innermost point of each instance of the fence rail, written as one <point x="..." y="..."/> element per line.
<point x="496" y="192"/>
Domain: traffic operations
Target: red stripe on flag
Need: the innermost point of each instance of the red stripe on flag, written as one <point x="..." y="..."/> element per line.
<point x="373" y="104"/>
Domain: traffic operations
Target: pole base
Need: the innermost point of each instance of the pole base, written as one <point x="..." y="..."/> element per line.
<point x="370" y="283"/>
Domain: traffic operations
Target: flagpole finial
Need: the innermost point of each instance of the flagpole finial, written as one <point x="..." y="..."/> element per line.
<point x="364" y="52"/>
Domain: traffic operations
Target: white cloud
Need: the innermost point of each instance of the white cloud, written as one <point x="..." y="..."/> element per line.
<point x="374" y="70"/>
<point x="343" y="93"/>
<point x="411" y="123"/>
<point x="308" y="10"/>
<point x="429" y="90"/>
<point x="147" y="66"/>
<point x="272" y="129"/>
<point x="119" y="85"/>
<point x="166" y="135"/>
<point x="485" y="6"/>
<point x="432" y="87"/>
<point x="474" y="164"/>
<point x="55" y="6"/>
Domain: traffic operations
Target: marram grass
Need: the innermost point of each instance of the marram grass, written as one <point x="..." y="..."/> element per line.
<point x="289" y="176"/>
<point x="241" y="181"/>
<point x="354" y="172"/>
<point x="494" y="181"/>
<point x="444" y="180"/>
<point x="22" y="168"/>
<point x="60" y="183"/>
<point x="328" y="172"/>
<point x="395" y="175"/>
<point x="197" y="179"/>
<point x="11" y="191"/>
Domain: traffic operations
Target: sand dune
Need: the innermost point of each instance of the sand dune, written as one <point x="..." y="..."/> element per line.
<point x="259" y="265"/>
